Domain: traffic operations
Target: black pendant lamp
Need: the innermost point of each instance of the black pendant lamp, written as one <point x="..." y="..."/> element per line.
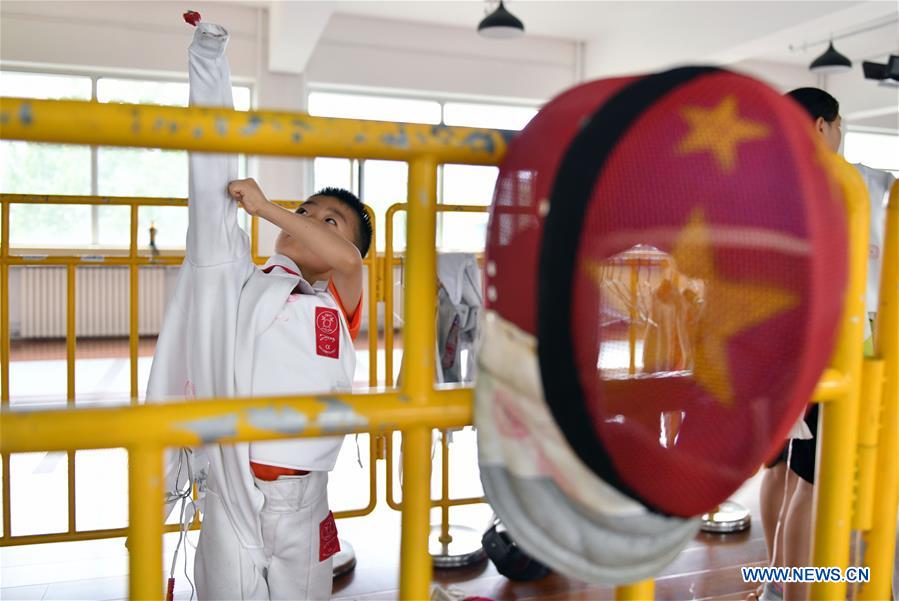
<point x="501" y="24"/>
<point x="830" y="62"/>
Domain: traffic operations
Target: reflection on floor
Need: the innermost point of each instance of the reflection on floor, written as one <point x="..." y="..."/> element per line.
<point x="102" y="370"/>
<point x="97" y="570"/>
<point x="708" y="569"/>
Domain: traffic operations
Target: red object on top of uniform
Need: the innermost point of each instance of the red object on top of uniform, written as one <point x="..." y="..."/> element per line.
<point x="192" y="17"/>
<point x="677" y="247"/>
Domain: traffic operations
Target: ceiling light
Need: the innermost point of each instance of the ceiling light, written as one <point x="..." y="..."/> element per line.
<point x="830" y="62"/>
<point x="501" y="24"/>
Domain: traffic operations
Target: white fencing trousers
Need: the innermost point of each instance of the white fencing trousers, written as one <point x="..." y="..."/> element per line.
<point x="294" y="510"/>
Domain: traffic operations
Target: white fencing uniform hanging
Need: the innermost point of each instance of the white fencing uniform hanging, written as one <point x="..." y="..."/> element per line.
<point x="878" y="183"/>
<point x="259" y="539"/>
<point x="459" y="306"/>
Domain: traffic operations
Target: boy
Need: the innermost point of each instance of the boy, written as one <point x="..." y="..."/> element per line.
<point x="236" y="330"/>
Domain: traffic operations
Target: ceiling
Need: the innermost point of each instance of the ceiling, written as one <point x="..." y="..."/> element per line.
<point x="632" y="36"/>
<point x="764" y="30"/>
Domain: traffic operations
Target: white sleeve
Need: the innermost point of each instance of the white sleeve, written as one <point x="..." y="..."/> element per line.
<point x="213" y="236"/>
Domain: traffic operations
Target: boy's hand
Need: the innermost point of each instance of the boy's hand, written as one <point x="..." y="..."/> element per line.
<point x="248" y="193"/>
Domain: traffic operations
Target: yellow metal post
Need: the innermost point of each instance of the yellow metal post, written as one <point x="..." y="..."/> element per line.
<point x="868" y="430"/>
<point x="133" y="283"/>
<point x="4" y="310"/>
<point x="388" y="290"/>
<point x="6" y="497"/>
<point x="372" y="267"/>
<point x="839" y="419"/>
<point x="639" y="591"/>
<point x="145" y="522"/>
<point x="4" y="354"/>
<point x="418" y="379"/>
<point x="70" y="334"/>
<point x="445" y="537"/>
<point x="881" y="539"/>
<point x="70" y="386"/>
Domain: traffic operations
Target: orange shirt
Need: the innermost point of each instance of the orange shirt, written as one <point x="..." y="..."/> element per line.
<point x="354" y="319"/>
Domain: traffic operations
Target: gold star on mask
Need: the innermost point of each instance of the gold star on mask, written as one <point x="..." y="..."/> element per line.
<point x="719" y="130"/>
<point x="728" y="307"/>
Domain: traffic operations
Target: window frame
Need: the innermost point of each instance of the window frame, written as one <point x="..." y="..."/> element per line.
<point x="358" y="165"/>
<point x="95" y="76"/>
<point x="857" y="129"/>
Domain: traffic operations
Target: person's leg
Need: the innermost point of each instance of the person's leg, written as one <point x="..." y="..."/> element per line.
<point x="774" y="504"/>
<point x="300" y="537"/>
<point x="771" y="498"/>
<point x="222" y="568"/>
<point x="797" y="537"/>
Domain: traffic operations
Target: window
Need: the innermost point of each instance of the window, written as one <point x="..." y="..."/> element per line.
<point x="492" y="116"/>
<point x="34" y="168"/>
<point x="465" y="185"/>
<point x="383" y="183"/>
<point x="377" y="108"/>
<point x="880" y="151"/>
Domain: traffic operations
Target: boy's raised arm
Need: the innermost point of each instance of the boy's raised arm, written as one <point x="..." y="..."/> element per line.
<point x="213" y="236"/>
<point x="341" y="255"/>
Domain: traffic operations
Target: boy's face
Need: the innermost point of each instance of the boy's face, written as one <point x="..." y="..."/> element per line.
<point x="332" y="213"/>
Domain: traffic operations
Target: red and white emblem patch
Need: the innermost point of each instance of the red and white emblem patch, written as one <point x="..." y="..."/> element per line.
<point x="328" y="543"/>
<point x="327" y="332"/>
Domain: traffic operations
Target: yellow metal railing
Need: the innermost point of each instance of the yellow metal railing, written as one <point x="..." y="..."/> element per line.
<point x="417" y="406"/>
<point x="880" y="537"/>
<point x="839" y="417"/>
<point x="134" y="259"/>
<point x="392" y="260"/>
<point x="130" y="258"/>
<point x="291" y="135"/>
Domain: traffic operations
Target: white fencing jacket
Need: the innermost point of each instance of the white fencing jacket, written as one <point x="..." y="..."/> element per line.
<point x="459" y="303"/>
<point x="221" y="305"/>
<point x="878" y="183"/>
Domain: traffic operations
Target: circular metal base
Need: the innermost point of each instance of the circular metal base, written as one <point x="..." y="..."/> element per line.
<point x="463" y="550"/>
<point x="729" y="517"/>
<point x="344" y="561"/>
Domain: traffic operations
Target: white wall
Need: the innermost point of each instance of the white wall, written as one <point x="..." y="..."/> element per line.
<point x="363" y="51"/>
<point x="780" y="76"/>
<point x="864" y="102"/>
<point x="135" y="36"/>
<point x="151" y="38"/>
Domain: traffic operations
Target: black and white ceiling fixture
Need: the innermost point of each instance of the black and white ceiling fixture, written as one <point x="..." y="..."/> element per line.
<point x="501" y="24"/>
<point x="831" y="61"/>
<point x="887" y="74"/>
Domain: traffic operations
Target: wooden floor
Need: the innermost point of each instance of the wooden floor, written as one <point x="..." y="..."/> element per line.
<point x="709" y="568"/>
<point x="54" y="349"/>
